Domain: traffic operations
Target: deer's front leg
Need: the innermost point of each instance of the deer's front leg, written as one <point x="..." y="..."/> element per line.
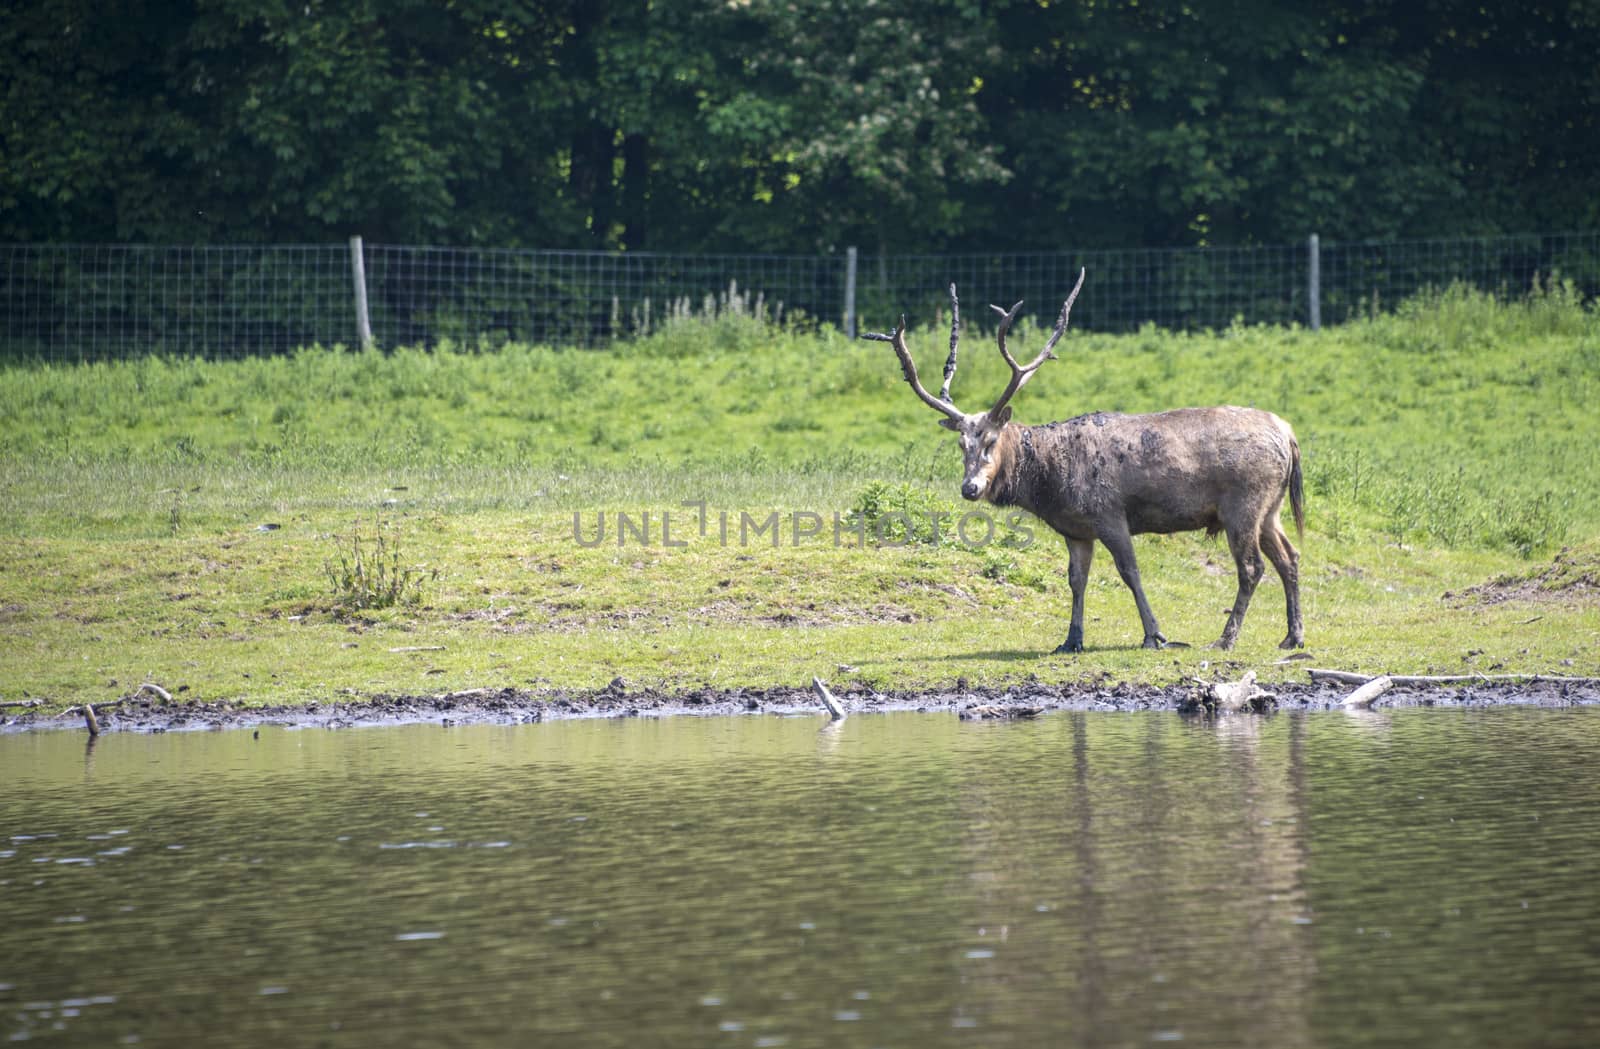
<point x="1079" y="553"/>
<point x="1120" y="543"/>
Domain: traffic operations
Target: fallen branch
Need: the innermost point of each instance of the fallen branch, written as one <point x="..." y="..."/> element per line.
<point x="90" y="720"/>
<point x="1363" y="696"/>
<point x="1230" y="696"/>
<point x="149" y="686"/>
<point x="75" y="711"/>
<point x="418" y="648"/>
<point x="1345" y="677"/>
<point x="836" y="709"/>
<point x="4" y="703"/>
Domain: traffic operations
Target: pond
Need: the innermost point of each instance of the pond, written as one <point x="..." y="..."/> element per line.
<point x="1404" y="878"/>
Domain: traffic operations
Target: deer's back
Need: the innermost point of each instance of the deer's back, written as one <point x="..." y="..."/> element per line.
<point x="1167" y="471"/>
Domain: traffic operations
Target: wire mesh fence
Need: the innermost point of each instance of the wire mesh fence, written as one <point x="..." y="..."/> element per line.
<point x="1176" y="288"/>
<point x="96" y="301"/>
<point x="476" y="297"/>
<point x="92" y="302"/>
<point x="1363" y="278"/>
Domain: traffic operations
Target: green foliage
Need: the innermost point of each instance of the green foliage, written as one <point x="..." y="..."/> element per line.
<point x="1007" y="566"/>
<point x="728" y="323"/>
<point x="370" y="576"/>
<point x="883" y="144"/>
<point x="1461" y="318"/>
<point x="905" y="125"/>
<point x="897" y="514"/>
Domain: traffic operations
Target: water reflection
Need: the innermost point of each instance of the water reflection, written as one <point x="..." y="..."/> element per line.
<point x="1168" y="846"/>
<point x="1084" y="879"/>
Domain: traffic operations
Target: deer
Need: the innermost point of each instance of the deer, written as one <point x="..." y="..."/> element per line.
<point x="1107" y="477"/>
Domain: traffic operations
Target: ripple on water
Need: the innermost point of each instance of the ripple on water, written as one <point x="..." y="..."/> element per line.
<point x="444" y="844"/>
<point x="773" y="882"/>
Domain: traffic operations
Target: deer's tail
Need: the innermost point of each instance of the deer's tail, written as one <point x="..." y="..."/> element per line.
<point x="1297" y="490"/>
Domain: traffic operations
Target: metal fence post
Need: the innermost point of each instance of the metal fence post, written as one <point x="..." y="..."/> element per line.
<point x="850" y="291"/>
<point x="1314" y="283"/>
<point x="358" y="274"/>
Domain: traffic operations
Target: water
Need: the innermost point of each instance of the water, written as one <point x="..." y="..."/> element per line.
<point x="1416" y="878"/>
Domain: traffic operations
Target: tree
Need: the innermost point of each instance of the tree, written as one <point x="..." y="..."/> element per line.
<point x="858" y="122"/>
<point x="1165" y="122"/>
<point x="796" y="125"/>
<point x="240" y="120"/>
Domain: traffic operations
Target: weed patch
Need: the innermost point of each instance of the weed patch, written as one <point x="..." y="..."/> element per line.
<point x="896" y="514"/>
<point x="368" y="575"/>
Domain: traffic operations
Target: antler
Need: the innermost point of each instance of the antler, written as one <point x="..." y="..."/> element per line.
<point x="1019" y="374"/>
<point x="897" y="339"/>
<point x="955" y="333"/>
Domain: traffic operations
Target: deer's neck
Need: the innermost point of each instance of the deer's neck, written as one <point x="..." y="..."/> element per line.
<point x="1017" y="479"/>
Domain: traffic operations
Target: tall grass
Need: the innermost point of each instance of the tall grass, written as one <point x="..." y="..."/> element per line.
<point x="1459" y="419"/>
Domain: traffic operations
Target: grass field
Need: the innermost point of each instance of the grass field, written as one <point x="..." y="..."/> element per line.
<point x="195" y="523"/>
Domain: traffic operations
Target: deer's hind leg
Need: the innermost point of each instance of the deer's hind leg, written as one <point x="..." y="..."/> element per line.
<point x="1286" y="559"/>
<point x="1245" y="544"/>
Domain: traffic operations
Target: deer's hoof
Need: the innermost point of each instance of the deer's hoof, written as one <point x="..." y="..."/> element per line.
<point x="1222" y="644"/>
<point x="1073" y="643"/>
<point x="1155" y="641"/>
<point x="1292" y="642"/>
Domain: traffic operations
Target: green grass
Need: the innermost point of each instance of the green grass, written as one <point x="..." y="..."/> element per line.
<point x="1448" y="445"/>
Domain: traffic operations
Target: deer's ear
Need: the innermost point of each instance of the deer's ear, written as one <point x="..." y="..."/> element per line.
<point x="950" y="424"/>
<point x="1001" y="417"/>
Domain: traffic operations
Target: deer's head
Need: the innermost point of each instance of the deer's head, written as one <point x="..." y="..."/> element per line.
<point x="982" y="435"/>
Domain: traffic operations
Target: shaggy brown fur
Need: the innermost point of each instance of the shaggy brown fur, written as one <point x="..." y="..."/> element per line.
<point x="1110" y="477"/>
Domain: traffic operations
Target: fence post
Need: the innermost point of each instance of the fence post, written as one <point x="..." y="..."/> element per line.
<point x="358" y="274"/>
<point x="850" y="291"/>
<point x="1314" y="283"/>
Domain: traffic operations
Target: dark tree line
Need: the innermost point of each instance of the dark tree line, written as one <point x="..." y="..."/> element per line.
<point x="798" y="126"/>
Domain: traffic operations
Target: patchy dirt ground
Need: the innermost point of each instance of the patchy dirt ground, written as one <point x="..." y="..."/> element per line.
<point x="1572" y="577"/>
<point x="512" y="706"/>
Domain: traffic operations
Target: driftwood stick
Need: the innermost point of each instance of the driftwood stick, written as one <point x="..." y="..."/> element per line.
<point x="836" y="709"/>
<point x="418" y="648"/>
<point x="90" y="721"/>
<point x="150" y="686"/>
<point x="1346" y="677"/>
<point x="465" y="693"/>
<point x="4" y="703"/>
<point x="1363" y="696"/>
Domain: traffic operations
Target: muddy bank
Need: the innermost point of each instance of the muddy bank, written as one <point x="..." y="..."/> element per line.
<point x="512" y="706"/>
